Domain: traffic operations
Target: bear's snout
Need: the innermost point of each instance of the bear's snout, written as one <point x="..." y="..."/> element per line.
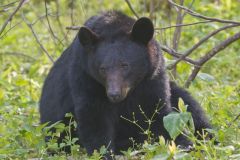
<point x="114" y="93"/>
<point x="114" y="97"/>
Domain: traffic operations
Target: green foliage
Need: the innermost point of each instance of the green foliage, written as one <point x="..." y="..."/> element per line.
<point x="24" y="66"/>
<point x="176" y="122"/>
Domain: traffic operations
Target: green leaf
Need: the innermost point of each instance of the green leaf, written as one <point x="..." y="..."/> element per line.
<point x="103" y="150"/>
<point x="21" y="82"/>
<point x="162" y="141"/>
<point x="175" y="123"/>
<point x="182" y="107"/>
<point x="67" y="115"/>
<point x="181" y="155"/>
<point x="164" y="156"/>
<point x="191" y="124"/>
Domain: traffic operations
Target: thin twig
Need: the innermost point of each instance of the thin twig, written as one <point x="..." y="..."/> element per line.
<point x="60" y="23"/>
<point x="218" y="48"/>
<point x="71" y="12"/>
<point x="5" y="33"/>
<point x="6" y="9"/>
<point x="50" y="27"/>
<point x="195" y="14"/>
<point x="73" y="27"/>
<point x="18" y="54"/>
<point x="151" y="8"/>
<point x="9" y="4"/>
<point x="11" y="16"/>
<point x="236" y="118"/>
<point x="209" y="55"/>
<point x="177" y="35"/>
<point x="173" y="53"/>
<point x="177" y="32"/>
<point x="190" y="6"/>
<point x="183" y="25"/>
<point x="157" y="28"/>
<point x="40" y="18"/>
<point x="204" y="39"/>
<point x="131" y="8"/>
<point x="37" y="39"/>
<point x="193" y="75"/>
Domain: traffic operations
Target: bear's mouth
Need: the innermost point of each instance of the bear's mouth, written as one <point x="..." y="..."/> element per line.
<point x="116" y="96"/>
<point x="116" y="99"/>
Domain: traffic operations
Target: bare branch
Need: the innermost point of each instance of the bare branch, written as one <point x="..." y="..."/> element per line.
<point x="183" y="25"/>
<point x="37" y="39"/>
<point x="192" y="76"/>
<point x="190" y="6"/>
<point x="209" y="55"/>
<point x="177" y="34"/>
<point x="6" y="9"/>
<point x="60" y="23"/>
<point x="11" y="16"/>
<point x="5" y="33"/>
<point x="49" y="25"/>
<point x="131" y="8"/>
<point x="9" y="4"/>
<point x="73" y="27"/>
<point x="71" y="12"/>
<point x="40" y="18"/>
<point x="19" y="55"/>
<point x="151" y="8"/>
<point x="219" y="48"/>
<point x="189" y="51"/>
<point x="236" y="118"/>
<point x="195" y="14"/>
<point x="173" y="53"/>
<point x="157" y="28"/>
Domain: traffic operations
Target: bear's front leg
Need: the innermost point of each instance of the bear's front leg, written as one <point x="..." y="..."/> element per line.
<point x="95" y="127"/>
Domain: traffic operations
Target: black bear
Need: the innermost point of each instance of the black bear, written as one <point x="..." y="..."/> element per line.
<point x="112" y="67"/>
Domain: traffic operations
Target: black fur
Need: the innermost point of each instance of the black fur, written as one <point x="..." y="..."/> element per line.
<point x="107" y="72"/>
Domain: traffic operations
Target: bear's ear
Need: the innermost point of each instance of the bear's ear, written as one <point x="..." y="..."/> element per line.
<point x="142" y="30"/>
<point x="87" y="36"/>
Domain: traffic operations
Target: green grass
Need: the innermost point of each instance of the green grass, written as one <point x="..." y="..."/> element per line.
<point x="24" y="67"/>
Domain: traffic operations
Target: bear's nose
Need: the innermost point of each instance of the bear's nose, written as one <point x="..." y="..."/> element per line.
<point x="114" y="97"/>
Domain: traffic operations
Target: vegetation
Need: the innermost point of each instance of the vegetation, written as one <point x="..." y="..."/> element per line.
<point x="36" y="34"/>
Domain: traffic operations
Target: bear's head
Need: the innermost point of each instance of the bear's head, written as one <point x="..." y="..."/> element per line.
<point x="121" y="61"/>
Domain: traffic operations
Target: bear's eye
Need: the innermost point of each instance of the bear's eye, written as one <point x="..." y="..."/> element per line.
<point x="124" y="66"/>
<point x="102" y="70"/>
